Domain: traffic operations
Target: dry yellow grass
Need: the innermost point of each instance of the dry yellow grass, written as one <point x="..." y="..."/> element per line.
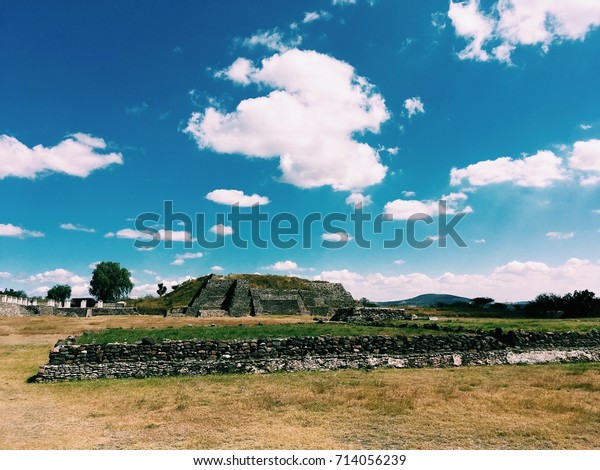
<point x="508" y="407"/>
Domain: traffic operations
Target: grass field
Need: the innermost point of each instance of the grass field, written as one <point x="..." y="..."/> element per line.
<point x="506" y="407"/>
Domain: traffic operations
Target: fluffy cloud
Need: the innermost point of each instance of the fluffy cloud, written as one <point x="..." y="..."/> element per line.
<point x="309" y="121"/>
<point x="358" y="198"/>
<point x="514" y="281"/>
<point x="57" y="276"/>
<point x="164" y="235"/>
<point x="240" y="71"/>
<point x="284" y="266"/>
<point x="272" y="39"/>
<point x="77" y="155"/>
<point x="4" y="275"/>
<point x="222" y="230"/>
<point x="560" y="235"/>
<point x="233" y="196"/>
<point x="539" y="171"/>
<point x="181" y="258"/>
<point x="586" y="158"/>
<point x="511" y="23"/>
<point x="414" y="106"/>
<point x="77" y="228"/>
<point x="471" y="24"/>
<point x="311" y="16"/>
<point x="217" y="268"/>
<point x="403" y="209"/>
<point x="10" y="230"/>
<point x="336" y="237"/>
<point x="143" y="290"/>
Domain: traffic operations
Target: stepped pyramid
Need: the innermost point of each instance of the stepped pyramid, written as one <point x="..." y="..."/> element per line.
<point x="230" y="296"/>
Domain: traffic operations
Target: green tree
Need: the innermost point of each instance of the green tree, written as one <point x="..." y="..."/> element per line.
<point x="14" y="293"/>
<point x="59" y="292"/>
<point x="162" y="290"/>
<point x="480" y="302"/>
<point x="110" y="282"/>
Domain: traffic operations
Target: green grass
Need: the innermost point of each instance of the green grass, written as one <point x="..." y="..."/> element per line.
<point x="130" y="335"/>
<point x="119" y="335"/>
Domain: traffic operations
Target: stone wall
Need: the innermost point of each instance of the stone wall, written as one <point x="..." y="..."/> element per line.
<point x="197" y="357"/>
<point x="13" y="310"/>
<point x="370" y="314"/>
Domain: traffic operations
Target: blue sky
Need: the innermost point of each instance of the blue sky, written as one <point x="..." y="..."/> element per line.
<point x="109" y="109"/>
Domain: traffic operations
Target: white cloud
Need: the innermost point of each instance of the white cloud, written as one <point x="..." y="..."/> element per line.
<point x="240" y="71"/>
<point x="181" y="258"/>
<point x="4" y="274"/>
<point x="217" y="268"/>
<point x="164" y="235"/>
<point x="222" y="230"/>
<point x="399" y="262"/>
<point x="409" y="193"/>
<point x="336" y="237"/>
<point x="539" y="171"/>
<point x="143" y="290"/>
<point x="233" y="196"/>
<point x="93" y="265"/>
<point x="403" y="209"/>
<point x="343" y="2"/>
<point x="473" y="25"/>
<point x="77" y="155"/>
<point x="586" y="156"/>
<point x="512" y="23"/>
<point x="10" y="230"/>
<point x="514" y="281"/>
<point x="585" y="127"/>
<point x="56" y="276"/>
<point x="284" y="266"/>
<point x="174" y="235"/>
<point x="77" y="228"/>
<point x="560" y="235"/>
<point x="129" y="234"/>
<point x="596" y="211"/>
<point x="481" y="241"/>
<point x="358" y="198"/>
<point x="150" y="273"/>
<point x="414" y="106"/>
<point x="272" y="39"/>
<point x="311" y="16"/>
<point x="310" y="119"/>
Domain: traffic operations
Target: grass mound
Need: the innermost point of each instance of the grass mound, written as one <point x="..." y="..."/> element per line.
<point x="119" y="335"/>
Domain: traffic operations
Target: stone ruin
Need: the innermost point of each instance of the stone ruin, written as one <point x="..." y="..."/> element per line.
<point x="369" y="315"/>
<point x="226" y="296"/>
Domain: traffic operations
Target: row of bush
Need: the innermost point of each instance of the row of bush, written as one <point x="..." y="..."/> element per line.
<point x="578" y="304"/>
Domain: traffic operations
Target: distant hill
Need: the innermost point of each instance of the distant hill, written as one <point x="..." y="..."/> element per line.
<point x="428" y="300"/>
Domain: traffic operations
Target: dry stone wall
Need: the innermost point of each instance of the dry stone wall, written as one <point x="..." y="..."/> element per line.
<point x="199" y="357"/>
<point x="369" y="315"/>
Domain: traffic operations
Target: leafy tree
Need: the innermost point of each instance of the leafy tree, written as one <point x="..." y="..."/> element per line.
<point x="364" y="302"/>
<point x="59" y="292"/>
<point x="14" y="293"/>
<point x="580" y="303"/>
<point x="481" y="301"/>
<point x="162" y="290"/>
<point x="110" y="282"/>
